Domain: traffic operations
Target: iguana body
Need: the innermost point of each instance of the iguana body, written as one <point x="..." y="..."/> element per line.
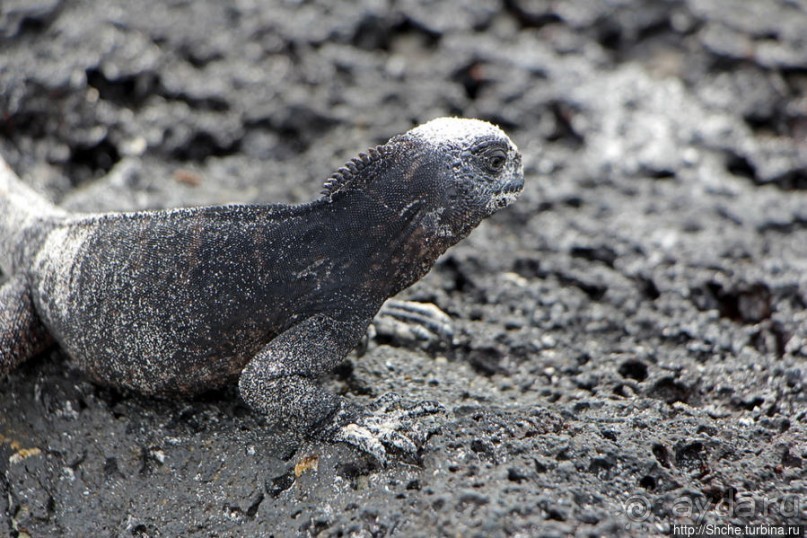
<point x="181" y="301"/>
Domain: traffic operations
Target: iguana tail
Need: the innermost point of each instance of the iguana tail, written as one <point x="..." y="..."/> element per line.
<point x="24" y="215"/>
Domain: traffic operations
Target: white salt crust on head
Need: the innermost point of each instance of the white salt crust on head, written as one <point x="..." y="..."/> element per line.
<point x="459" y="131"/>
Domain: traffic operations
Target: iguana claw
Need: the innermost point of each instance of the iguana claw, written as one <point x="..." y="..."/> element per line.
<point x="388" y="424"/>
<point x="423" y="325"/>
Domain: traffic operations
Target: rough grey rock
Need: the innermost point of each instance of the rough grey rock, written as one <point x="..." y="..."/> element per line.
<point x="630" y="338"/>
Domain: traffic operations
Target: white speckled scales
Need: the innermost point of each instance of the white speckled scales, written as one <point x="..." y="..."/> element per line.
<point x="457" y="132"/>
<point x="20" y="209"/>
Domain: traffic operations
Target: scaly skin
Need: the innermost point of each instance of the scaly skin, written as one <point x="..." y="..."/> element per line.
<point x="181" y="301"/>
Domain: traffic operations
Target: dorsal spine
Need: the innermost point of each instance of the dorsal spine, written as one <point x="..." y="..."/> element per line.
<point x="349" y="175"/>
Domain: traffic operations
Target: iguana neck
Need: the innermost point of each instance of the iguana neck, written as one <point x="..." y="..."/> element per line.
<point x="402" y="237"/>
<point x="401" y="197"/>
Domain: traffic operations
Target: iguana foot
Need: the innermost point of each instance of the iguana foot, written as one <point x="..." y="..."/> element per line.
<point x="410" y="323"/>
<point x="388" y="425"/>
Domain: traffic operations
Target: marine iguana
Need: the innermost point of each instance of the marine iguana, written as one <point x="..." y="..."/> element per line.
<point x="180" y="301"/>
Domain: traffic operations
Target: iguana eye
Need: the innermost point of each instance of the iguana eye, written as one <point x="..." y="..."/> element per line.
<point x="495" y="160"/>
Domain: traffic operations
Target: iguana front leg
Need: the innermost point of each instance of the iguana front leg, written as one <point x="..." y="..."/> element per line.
<point x="281" y="383"/>
<point x="22" y="335"/>
<point x="281" y="380"/>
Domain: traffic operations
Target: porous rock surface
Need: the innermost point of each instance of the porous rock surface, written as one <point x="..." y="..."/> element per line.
<point x="630" y="337"/>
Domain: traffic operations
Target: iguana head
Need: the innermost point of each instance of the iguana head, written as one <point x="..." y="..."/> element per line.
<point x="451" y="172"/>
<point x="485" y="165"/>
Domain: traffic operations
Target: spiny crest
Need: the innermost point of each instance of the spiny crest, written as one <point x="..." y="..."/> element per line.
<point x="349" y="175"/>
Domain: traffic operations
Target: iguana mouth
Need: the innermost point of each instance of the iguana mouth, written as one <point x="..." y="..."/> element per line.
<point x="506" y="194"/>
